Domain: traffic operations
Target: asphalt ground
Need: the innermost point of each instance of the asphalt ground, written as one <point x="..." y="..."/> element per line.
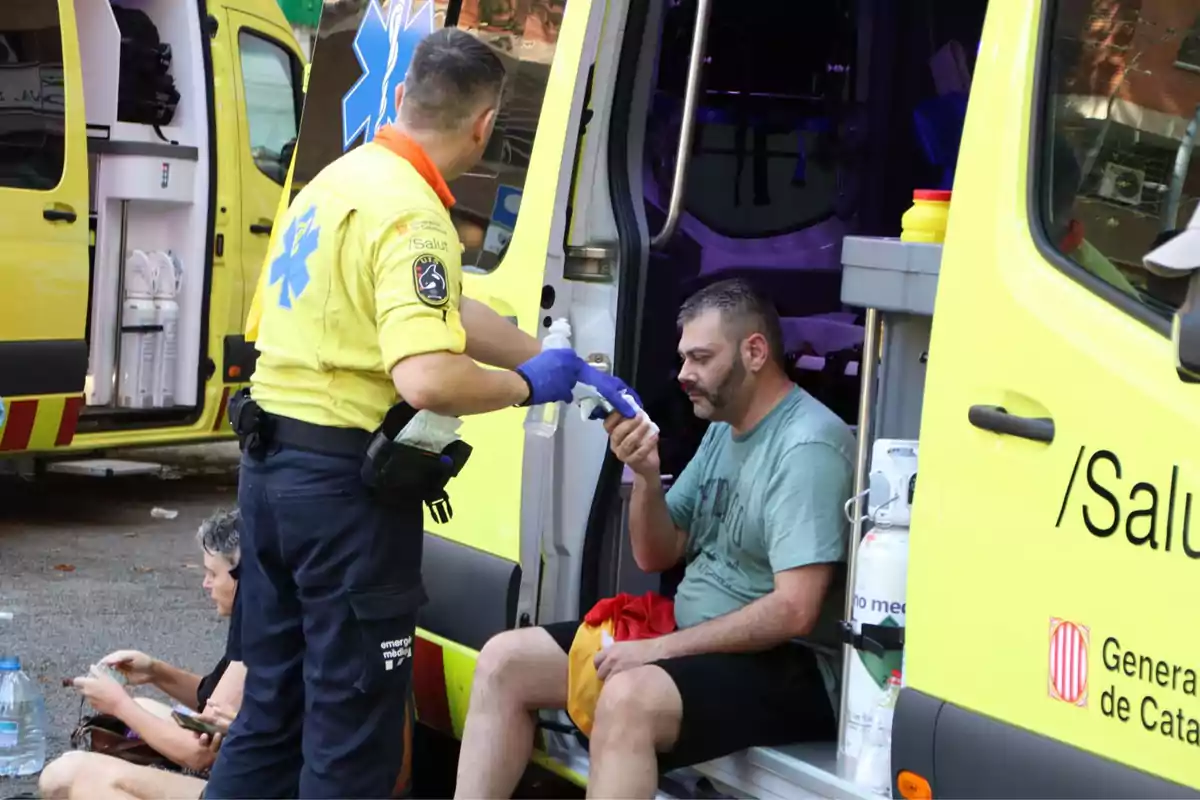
<point x="87" y="568"/>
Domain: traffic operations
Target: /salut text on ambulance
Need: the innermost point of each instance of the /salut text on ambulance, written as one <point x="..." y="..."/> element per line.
<point x="1149" y="513"/>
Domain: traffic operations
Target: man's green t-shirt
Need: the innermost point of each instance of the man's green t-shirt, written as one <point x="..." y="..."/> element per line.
<point x="753" y="505"/>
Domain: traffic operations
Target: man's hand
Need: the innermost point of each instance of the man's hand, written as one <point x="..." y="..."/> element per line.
<point x="137" y="667"/>
<point x="620" y="656"/>
<point x="102" y="693"/>
<point x="635" y="443"/>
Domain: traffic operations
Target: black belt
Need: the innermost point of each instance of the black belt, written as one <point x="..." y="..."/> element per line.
<point x="323" y="439"/>
<point x="392" y="471"/>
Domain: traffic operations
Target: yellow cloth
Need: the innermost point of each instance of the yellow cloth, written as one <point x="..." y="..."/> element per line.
<point x="365" y="271"/>
<point x="583" y="684"/>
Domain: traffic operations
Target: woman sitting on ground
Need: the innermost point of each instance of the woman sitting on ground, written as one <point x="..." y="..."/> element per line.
<point x="217" y="696"/>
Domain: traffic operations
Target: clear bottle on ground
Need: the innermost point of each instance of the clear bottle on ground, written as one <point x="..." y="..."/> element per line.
<point x="22" y="719"/>
<point x="542" y="420"/>
<point x="873" y="769"/>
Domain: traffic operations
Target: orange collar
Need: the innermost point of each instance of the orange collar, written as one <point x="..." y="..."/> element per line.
<point x="414" y="154"/>
<point x="1073" y="237"/>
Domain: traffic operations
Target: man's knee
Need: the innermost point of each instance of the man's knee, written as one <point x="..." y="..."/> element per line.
<point x="526" y="666"/>
<point x="500" y="661"/>
<point x="624" y="700"/>
<point x="638" y="704"/>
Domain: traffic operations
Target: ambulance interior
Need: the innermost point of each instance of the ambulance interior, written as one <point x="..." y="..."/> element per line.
<point x="815" y="121"/>
<point x="821" y="130"/>
<point x="150" y="184"/>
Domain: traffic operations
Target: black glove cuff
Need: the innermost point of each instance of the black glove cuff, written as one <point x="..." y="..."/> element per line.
<point x="528" y="401"/>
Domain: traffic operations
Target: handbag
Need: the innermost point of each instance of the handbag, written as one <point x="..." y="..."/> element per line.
<point x="108" y="735"/>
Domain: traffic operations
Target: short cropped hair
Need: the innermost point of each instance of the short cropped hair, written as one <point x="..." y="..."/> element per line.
<point x="220" y="535"/>
<point x="743" y="312"/>
<point x="451" y="77"/>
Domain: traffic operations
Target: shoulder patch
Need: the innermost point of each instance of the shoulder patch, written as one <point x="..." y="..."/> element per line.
<point x="430" y="280"/>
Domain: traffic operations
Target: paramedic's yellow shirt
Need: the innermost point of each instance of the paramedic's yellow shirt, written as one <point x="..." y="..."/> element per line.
<point x="366" y="272"/>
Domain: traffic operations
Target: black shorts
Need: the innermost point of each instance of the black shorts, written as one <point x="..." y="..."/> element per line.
<point x="732" y="701"/>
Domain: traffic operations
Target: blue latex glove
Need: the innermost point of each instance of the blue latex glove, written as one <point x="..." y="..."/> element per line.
<point x="551" y="375"/>
<point x="611" y="389"/>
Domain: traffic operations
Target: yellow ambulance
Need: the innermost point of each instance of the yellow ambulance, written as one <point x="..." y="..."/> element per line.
<point x="647" y="146"/>
<point x="143" y="150"/>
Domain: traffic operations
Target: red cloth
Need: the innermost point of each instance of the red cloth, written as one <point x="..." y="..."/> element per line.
<point x="1073" y="237"/>
<point x="642" y="617"/>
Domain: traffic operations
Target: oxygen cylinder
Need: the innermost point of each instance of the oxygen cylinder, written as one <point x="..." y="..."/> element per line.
<point x="879" y="599"/>
<point x="893" y="480"/>
<point x="880" y="584"/>
<point x="166" y="315"/>
<point x="139" y="334"/>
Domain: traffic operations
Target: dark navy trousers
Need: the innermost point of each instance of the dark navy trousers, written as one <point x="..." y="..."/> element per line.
<point x="330" y="587"/>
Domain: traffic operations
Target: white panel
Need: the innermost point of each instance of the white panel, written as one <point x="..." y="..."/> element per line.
<point x="151" y="178"/>
<point x="100" y="54"/>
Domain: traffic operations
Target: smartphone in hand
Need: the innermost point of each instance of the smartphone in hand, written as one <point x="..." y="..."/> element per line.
<point x="195" y="724"/>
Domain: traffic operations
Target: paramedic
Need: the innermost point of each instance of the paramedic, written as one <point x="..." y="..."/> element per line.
<point x="757" y="517"/>
<point x="363" y="302"/>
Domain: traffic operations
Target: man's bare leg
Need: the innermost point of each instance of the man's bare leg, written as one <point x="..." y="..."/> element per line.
<point x="517" y="672"/>
<point x="637" y="717"/>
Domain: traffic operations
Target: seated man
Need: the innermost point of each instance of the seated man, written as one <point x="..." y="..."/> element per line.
<point x="218" y="695"/>
<point x="757" y="515"/>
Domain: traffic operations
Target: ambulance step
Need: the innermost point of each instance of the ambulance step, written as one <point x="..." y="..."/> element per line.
<point x="104" y="467"/>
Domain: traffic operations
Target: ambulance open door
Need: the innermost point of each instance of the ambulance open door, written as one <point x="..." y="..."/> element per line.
<point x="44" y="213"/>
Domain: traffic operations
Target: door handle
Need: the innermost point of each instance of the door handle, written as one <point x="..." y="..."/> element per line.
<point x="261" y="228"/>
<point x="59" y="214"/>
<point x="998" y="420"/>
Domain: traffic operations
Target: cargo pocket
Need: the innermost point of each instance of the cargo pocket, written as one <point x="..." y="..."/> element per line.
<point x="386" y="617"/>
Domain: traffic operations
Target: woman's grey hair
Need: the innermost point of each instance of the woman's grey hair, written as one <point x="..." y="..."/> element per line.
<point x="219" y="535"/>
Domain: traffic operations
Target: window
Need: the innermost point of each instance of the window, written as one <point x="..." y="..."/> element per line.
<point x="272" y="116"/>
<point x="32" y="97"/>
<point x="1116" y="175"/>
<point x="524" y="33"/>
<point x="1188" y="55"/>
<point x="770" y="152"/>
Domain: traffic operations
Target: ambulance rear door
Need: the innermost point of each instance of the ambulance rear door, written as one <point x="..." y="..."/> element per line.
<point x="1051" y="612"/>
<point x="43" y="217"/>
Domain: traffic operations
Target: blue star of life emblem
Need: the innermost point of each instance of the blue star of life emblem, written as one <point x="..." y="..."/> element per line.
<point x="384" y="48"/>
<point x="290" y="268"/>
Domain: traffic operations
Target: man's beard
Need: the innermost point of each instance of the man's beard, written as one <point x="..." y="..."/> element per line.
<point x="725" y="393"/>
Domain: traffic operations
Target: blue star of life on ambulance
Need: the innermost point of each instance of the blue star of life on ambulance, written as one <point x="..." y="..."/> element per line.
<point x="384" y="48"/>
<point x="290" y="268"/>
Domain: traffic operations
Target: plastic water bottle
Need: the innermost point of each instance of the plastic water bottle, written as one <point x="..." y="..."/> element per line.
<point x="542" y="420"/>
<point x="22" y="719"/>
<point x="873" y="770"/>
